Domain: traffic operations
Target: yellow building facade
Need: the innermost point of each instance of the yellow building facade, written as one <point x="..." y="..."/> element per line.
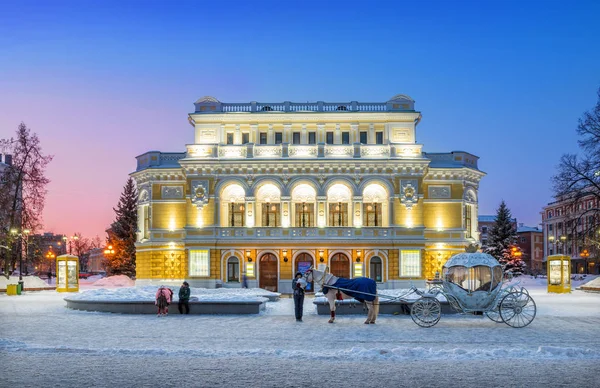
<point x="269" y="189"/>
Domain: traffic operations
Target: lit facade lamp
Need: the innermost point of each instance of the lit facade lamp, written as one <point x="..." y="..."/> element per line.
<point x="285" y="259"/>
<point x="109" y="251"/>
<point x="358" y="253"/>
<point x="321" y="259"/>
<point x="584" y="255"/>
<point x="248" y="256"/>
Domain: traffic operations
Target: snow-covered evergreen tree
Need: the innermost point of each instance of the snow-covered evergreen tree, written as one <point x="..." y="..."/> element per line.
<point x="514" y="262"/>
<point x="502" y="237"/>
<point x="122" y="233"/>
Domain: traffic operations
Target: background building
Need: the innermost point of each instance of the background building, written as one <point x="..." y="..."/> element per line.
<point x="268" y="189"/>
<point x="573" y="229"/>
<point x="485" y="225"/>
<point x="96" y="260"/>
<point x="531" y="242"/>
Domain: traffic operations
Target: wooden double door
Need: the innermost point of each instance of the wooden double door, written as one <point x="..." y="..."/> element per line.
<point x="268" y="278"/>
<point x="340" y="266"/>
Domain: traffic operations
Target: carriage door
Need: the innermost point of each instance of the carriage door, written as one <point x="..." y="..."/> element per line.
<point x="303" y="262"/>
<point x="268" y="272"/>
<point x="340" y="266"/>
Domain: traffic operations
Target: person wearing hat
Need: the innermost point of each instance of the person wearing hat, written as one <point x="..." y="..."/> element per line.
<point x="298" y="286"/>
<point x="184" y="298"/>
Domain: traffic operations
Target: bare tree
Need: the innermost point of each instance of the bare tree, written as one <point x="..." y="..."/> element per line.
<point x="22" y="190"/>
<point x="577" y="183"/>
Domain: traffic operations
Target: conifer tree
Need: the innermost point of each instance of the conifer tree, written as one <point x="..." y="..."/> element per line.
<point x="122" y="233"/>
<point x="502" y="237"/>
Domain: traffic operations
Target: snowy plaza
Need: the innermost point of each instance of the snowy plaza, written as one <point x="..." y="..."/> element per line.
<point x="44" y="344"/>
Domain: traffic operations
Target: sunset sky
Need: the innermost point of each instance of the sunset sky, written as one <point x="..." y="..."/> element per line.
<point x="102" y="83"/>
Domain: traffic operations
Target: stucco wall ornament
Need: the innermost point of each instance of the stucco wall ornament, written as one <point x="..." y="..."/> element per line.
<point x="470" y="195"/>
<point x="144" y="196"/>
<point x="199" y="193"/>
<point x="409" y="196"/>
<point x="172" y="192"/>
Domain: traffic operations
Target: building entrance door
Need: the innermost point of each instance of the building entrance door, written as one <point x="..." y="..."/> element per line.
<point x="303" y="262"/>
<point x="268" y="272"/>
<point x="340" y="266"/>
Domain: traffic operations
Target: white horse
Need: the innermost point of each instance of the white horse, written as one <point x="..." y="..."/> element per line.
<point x="326" y="279"/>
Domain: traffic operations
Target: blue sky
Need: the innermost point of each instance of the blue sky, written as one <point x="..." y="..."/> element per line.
<point x="102" y="82"/>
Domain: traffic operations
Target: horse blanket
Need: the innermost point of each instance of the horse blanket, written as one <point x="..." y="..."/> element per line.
<point x="358" y="288"/>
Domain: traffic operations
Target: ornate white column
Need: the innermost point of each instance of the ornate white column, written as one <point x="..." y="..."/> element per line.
<point x="270" y="135"/>
<point x="287" y="129"/>
<point x="285" y="210"/>
<point x="250" y="212"/>
<point x="371" y="134"/>
<point x="337" y="135"/>
<point x="237" y="135"/>
<point x="354" y="135"/>
<point x="254" y="133"/>
<point x="320" y="133"/>
<point x="304" y="135"/>
<point x="357" y="212"/>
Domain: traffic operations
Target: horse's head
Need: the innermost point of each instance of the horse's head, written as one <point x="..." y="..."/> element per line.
<point x="308" y="275"/>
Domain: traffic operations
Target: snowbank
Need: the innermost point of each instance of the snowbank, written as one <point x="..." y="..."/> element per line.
<point x="148" y="293"/>
<point x="114" y="281"/>
<point x="28" y="282"/>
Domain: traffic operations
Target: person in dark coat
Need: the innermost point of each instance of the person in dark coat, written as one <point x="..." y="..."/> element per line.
<point x="298" y="286"/>
<point x="184" y="298"/>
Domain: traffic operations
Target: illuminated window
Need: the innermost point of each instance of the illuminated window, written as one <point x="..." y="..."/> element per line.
<point x="146" y="231"/>
<point x="305" y="215"/>
<point x="199" y="262"/>
<point x="468" y="220"/>
<point x="233" y="269"/>
<point x="270" y="215"/>
<point x="410" y="263"/>
<point x="372" y="214"/>
<point x="376" y="269"/>
<point x="236" y="214"/>
<point x="338" y="214"/>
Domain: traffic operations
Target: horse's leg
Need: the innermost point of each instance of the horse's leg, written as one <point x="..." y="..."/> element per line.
<point x="375" y="307"/>
<point x="331" y="300"/>
<point x="369" y="312"/>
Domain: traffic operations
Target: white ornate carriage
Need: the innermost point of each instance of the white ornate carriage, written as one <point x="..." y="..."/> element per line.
<point x="473" y="283"/>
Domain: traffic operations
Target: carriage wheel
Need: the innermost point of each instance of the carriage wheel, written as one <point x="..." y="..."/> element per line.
<point x="426" y="312"/>
<point x="494" y="315"/>
<point x="517" y="309"/>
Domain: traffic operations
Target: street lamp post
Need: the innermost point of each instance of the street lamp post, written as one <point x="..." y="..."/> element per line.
<point x="584" y="255"/>
<point x="16" y="233"/>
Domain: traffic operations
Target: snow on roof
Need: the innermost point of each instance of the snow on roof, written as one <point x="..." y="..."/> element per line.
<point x="524" y="229"/>
<point x="486" y="218"/>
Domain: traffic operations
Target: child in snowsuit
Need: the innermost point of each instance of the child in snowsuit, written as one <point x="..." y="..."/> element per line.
<point x="164" y="296"/>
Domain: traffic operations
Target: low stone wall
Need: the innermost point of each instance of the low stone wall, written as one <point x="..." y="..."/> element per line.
<point x="3" y="290"/>
<point x="348" y="307"/>
<point x="148" y="307"/>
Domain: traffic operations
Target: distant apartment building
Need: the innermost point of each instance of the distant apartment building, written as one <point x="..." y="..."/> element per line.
<point x="485" y="225"/>
<point x="95" y="262"/>
<point x="45" y="248"/>
<point x="531" y="241"/>
<point x="573" y="229"/>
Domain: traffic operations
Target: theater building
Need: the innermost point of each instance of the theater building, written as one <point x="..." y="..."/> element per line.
<point x="268" y="189"/>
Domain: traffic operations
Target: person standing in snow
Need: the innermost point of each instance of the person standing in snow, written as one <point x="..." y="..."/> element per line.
<point x="164" y="296"/>
<point x="184" y="298"/>
<point x="298" y="286"/>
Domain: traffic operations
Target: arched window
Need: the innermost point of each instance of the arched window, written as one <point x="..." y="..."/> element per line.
<point x="376" y="269"/>
<point x="269" y="197"/>
<point x="304" y="198"/>
<point x="338" y="198"/>
<point x="233" y="269"/>
<point x="266" y="108"/>
<point x="374" y="196"/>
<point x="233" y="199"/>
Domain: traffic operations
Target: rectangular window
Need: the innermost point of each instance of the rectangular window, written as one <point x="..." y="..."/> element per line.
<point x="363" y="137"/>
<point x="378" y="137"/>
<point x="278" y="137"/>
<point x="263" y="138"/>
<point x="338" y="214"/>
<point x="312" y="138"/>
<point x="236" y="214"/>
<point x="230" y="138"/>
<point x="410" y="263"/>
<point x="468" y="220"/>
<point x="550" y="228"/>
<point x="305" y="215"/>
<point x="199" y="262"/>
<point x="484" y="229"/>
<point x="522" y="239"/>
<point x="270" y="215"/>
<point x="329" y="138"/>
<point x="296" y="138"/>
<point x="245" y="138"/>
<point x="146" y="221"/>
<point x="345" y="137"/>
<point x="372" y="214"/>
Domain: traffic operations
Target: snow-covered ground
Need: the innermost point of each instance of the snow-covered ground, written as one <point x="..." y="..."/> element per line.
<point x="42" y="343"/>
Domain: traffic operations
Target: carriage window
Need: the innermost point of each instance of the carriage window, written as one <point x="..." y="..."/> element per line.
<point x="338" y="214"/>
<point x="410" y="263"/>
<point x="497" y="278"/>
<point x="305" y="215"/>
<point x="270" y="215"/>
<point x="233" y="269"/>
<point x="199" y="262"/>
<point x="376" y="269"/>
